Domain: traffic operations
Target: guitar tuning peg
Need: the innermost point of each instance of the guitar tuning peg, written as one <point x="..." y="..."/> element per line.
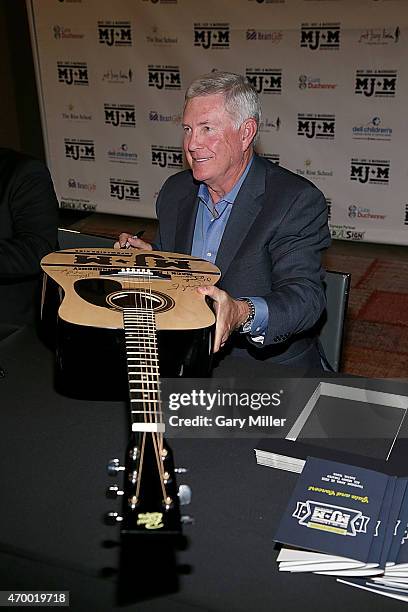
<point x="180" y="470"/>
<point x="113" y="492"/>
<point x="113" y="467"/>
<point x="111" y="518"/>
<point x="186" y="519"/>
<point x="184" y="494"/>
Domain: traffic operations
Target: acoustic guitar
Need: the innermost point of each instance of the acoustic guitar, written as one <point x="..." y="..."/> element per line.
<point x="123" y="306"/>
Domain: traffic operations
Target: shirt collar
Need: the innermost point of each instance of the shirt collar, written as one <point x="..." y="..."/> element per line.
<point x="229" y="197"/>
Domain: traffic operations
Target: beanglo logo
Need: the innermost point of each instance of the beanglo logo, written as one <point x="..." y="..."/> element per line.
<point x="120" y="115"/>
<point x="265" y="80"/>
<point x="317" y="126"/>
<point x="212" y="35"/>
<point x="272" y="37"/>
<point x="73" y="73"/>
<point x="115" y="33"/>
<point x="371" y="171"/>
<point x="377" y="83"/>
<point x="164" y="77"/>
<point x="320" y="36"/>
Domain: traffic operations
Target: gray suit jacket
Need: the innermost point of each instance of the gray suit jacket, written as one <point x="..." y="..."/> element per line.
<point x="271" y="248"/>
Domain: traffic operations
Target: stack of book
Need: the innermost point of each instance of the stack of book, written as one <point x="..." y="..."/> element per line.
<point x="349" y="522"/>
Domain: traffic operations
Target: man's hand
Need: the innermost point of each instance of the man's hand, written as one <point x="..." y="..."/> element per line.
<point x="230" y="314"/>
<point x="127" y="240"/>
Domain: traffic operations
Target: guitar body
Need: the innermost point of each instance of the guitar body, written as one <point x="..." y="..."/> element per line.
<point x="122" y="319"/>
<point x="85" y="292"/>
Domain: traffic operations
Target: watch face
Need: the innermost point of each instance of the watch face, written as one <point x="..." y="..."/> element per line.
<point x="247" y="327"/>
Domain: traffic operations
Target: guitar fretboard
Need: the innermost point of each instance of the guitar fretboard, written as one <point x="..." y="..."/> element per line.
<point x="143" y="369"/>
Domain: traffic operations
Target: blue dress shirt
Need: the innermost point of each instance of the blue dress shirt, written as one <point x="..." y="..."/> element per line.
<point x="209" y="227"/>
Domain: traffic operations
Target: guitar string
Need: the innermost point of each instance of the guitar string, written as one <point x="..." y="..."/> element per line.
<point x="146" y="314"/>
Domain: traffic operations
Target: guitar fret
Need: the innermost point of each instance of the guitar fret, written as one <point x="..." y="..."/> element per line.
<point x="141" y="401"/>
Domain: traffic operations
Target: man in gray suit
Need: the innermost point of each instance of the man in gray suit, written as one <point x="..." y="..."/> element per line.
<point x="262" y="225"/>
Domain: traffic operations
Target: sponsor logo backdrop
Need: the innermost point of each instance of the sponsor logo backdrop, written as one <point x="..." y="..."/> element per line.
<point x="333" y="83"/>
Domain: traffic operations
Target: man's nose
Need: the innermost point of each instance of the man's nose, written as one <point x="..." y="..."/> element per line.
<point x="194" y="141"/>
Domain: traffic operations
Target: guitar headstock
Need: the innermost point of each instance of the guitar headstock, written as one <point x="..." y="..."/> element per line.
<point x="150" y="497"/>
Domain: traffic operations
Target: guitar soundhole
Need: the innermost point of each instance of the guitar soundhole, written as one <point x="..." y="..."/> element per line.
<point x="140" y="298"/>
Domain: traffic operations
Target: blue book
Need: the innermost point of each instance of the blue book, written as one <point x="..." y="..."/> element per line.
<point x="335" y="511"/>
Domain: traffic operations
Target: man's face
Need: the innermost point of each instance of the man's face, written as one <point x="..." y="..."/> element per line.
<point x="214" y="149"/>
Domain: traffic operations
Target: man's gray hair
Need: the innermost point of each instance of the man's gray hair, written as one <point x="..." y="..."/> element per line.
<point x="241" y="99"/>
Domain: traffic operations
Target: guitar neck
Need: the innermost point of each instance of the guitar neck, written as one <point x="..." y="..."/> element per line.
<point x="142" y="360"/>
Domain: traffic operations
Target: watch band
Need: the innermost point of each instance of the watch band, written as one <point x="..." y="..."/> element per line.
<point x="245" y="328"/>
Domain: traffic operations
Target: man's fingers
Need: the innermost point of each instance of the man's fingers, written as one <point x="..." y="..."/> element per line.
<point x="126" y="241"/>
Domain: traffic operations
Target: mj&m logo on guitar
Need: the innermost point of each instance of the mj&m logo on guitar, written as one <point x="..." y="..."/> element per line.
<point x="326" y="517"/>
<point x="376" y="83"/>
<point x="167" y="157"/>
<point x="317" y="126"/>
<point x="265" y="80"/>
<point x="115" y="33"/>
<point x="73" y="73"/>
<point x="212" y="35"/>
<point x="79" y="150"/>
<point x="120" y="115"/>
<point x="320" y="36"/>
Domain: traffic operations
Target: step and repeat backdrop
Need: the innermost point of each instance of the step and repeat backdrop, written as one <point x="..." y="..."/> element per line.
<point x="332" y="76"/>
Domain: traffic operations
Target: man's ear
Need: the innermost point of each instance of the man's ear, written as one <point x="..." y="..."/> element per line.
<point x="248" y="132"/>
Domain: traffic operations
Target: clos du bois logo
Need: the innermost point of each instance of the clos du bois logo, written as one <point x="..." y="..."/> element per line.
<point x="377" y="83"/>
<point x="212" y="35"/>
<point x="320" y="36"/>
<point x="72" y="73"/>
<point x="265" y="80"/>
<point x="115" y="33"/>
<point x="164" y="77"/>
<point x="124" y="189"/>
<point x="372" y="171"/>
<point x="79" y="149"/>
<point x="120" y="115"/>
<point x="316" y="126"/>
<point x="167" y="157"/>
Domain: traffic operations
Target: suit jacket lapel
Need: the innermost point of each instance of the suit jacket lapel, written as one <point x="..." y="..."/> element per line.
<point x="244" y="211"/>
<point x="187" y="212"/>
